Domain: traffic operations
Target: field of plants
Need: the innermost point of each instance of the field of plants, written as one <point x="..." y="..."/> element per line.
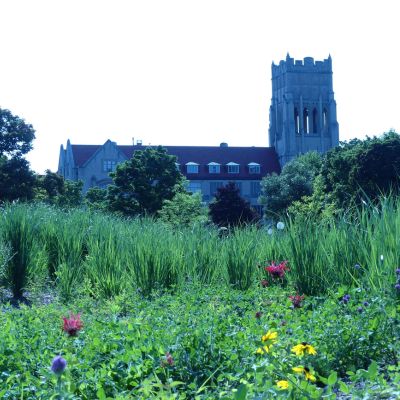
<point x="96" y="307"/>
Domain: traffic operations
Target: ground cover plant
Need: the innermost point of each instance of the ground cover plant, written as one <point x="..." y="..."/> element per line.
<point x="108" y="308"/>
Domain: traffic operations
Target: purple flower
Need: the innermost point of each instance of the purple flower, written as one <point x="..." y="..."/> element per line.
<point x="258" y="314"/>
<point x="366" y="304"/>
<point x="398" y="271"/>
<point x="58" y="365"/>
<point x="360" y="309"/>
<point x="357" y="266"/>
<point x="397" y="286"/>
<point x="346" y="298"/>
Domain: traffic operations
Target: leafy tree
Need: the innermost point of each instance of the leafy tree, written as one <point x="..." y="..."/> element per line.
<point x="362" y="169"/>
<point x="51" y="184"/>
<point x="17" y="181"/>
<point x="96" y="198"/>
<point x="71" y="195"/>
<point x="183" y="210"/>
<point x="16" y="135"/>
<point x="294" y="182"/>
<point x="144" y="182"/>
<point x="229" y="209"/>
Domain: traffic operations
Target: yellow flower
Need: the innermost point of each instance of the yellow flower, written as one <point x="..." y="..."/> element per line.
<point x="282" y="385"/>
<point x="270" y="336"/>
<point x="303" y="348"/>
<point x="306" y="372"/>
<point x="263" y="350"/>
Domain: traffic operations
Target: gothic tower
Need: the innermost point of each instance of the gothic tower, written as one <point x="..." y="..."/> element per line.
<point x="303" y="109"/>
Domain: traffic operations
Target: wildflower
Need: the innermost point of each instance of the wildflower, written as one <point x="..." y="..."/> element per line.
<point x="270" y="336"/>
<point x="282" y="385"/>
<point x="58" y="365"/>
<point x="346" y="298"/>
<point x="397" y="286"/>
<point x="360" y="309"/>
<point x="277" y="271"/>
<point x="296" y="300"/>
<point x="365" y="304"/>
<point x="169" y="359"/>
<point x="270" y="231"/>
<point x="381" y="257"/>
<point x="280" y="225"/>
<point x="258" y="314"/>
<point x="303" y="348"/>
<point x="306" y="371"/>
<point x="357" y="266"/>
<point x="264" y="283"/>
<point x="73" y="324"/>
<point x="263" y="349"/>
<point x="398" y="271"/>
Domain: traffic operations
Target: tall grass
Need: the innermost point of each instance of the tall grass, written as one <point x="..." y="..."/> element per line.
<point x="108" y="255"/>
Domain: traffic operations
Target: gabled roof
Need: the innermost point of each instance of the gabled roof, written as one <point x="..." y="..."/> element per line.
<point x="203" y="156"/>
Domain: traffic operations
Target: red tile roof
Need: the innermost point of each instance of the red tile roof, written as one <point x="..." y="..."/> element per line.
<point x="202" y="155"/>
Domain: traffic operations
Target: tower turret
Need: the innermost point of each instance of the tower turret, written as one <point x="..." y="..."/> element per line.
<point x="303" y="108"/>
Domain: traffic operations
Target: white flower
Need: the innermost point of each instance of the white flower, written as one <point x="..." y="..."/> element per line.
<point x="280" y="225"/>
<point x="270" y="231"/>
<point x="381" y="257"/>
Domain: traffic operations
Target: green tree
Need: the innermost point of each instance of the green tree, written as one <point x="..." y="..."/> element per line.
<point x="229" y="209"/>
<point x="16" y="135"/>
<point x="16" y="179"/>
<point x="361" y="169"/>
<point x="142" y="183"/>
<point x="96" y="198"/>
<point x="71" y="195"/>
<point x="278" y="192"/>
<point x="51" y="185"/>
<point x="184" y="209"/>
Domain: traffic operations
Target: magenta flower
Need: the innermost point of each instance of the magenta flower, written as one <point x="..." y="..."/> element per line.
<point x="73" y="324"/>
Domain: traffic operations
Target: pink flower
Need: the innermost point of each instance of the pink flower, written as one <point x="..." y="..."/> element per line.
<point x="277" y="271"/>
<point x="168" y="360"/>
<point x="296" y="300"/>
<point x="73" y="324"/>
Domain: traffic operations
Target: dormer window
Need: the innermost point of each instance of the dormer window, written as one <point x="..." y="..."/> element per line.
<point x="214" y="168"/>
<point x="254" y="168"/>
<point x="192" y="168"/>
<point x="233" y="168"/>
<point x="109" y="165"/>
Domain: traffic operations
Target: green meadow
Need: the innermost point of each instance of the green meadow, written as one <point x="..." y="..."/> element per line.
<point x="192" y="314"/>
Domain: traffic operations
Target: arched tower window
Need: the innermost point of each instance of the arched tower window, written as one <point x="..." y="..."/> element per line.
<point x="315" y="120"/>
<point x="325" y="119"/>
<point x="306" y="121"/>
<point x="296" y="121"/>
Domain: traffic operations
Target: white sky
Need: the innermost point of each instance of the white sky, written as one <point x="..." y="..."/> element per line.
<point x="185" y="72"/>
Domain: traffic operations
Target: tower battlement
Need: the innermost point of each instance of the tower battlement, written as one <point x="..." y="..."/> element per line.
<point x="306" y="65"/>
<point x="303" y="108"/>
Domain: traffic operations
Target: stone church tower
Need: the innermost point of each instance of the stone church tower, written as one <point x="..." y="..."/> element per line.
<point x="303" y="109"/>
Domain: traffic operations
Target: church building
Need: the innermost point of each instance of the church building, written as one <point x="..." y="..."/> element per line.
<point x="302" y="118"/>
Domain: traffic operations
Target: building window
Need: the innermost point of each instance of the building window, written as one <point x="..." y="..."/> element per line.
<point x="233" y="168"/>
<point x="109" y="165"/>
<point x="214" y="168"/>
<point x="194" y="187"/>
<point x="255" y="189"/>
<point x="192" y="168"/>
<point x="254" y="168"/>
<point x="214" y="186"/>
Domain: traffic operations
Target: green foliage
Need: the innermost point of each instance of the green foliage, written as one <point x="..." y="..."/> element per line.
<point x="96" y="199"/>
<point x="16" y="180"/>
<point x="229" y="209"/>
<point x="362" y="169"/>
<point x="294" y="182"/>
<point x="16" y="135"/>
<point x="71" y="195"/>
<point x="19" y="228"/>
<point x="184" y="209"/>
<point x="143" y="183"/>
<point x="52" y="184"/>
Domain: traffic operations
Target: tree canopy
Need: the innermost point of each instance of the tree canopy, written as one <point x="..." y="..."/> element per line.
<point x="229" y="209"/>
<point x="144" y="182"/>
<point x="16" y="135"/>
